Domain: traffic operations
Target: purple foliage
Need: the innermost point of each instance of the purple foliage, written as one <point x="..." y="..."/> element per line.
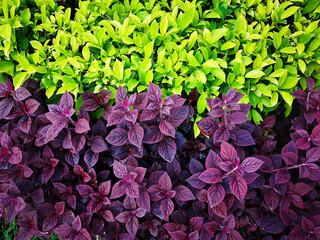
<point x="138" y="173"/>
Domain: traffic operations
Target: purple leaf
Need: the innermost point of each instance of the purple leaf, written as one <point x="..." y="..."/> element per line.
<point x="211" y="175"/>
<point x="152" y="135"/>
<point x="119" y="170"/>
<point x="178" y="115"/>
<point x="216" y="194"/>
<point x="167" y="149"/>
<point x="135" y="135"/>
<point x="208" y="125"/>
<point x="271" y="199"/>
<point x="238" y="117"/>
<point x="310" y="83"/>
<point x="238" y="187"/>
<point x="21" y="94"/>
<point x="84" y="190"/>
<point x="82" y="126"/>
<point x="212" y="159"/>
<point x="66" y="101"/>
<point x="98" y="145"/>
<point x="32" y="106"/>
<point x="251" y="164"/>
<point x="118" y="137"/>
<point x="243" y="138"/>
<point x="166" y="207"/>
<point x="144" y="201"/>
<point x="91" y="158"/>
<point x="195" y="182"/>
<point x="227" y="152"/>
<point x="5" y="107"/>
<point x="141" y="101"/>
<point x="132" y="225"/>
<point x="115" y="118"/>
<point x="154" y="92"/>
<point x="167" y="129"/>
<point x="121" y="95"/>
<point x="119" y="189"/>
<point x="282" y="176"/>
<point x="183" y="193"/>
<point x="165" y="182"/>
<point x="131" y="115"/>
<point x="222" y="134"/>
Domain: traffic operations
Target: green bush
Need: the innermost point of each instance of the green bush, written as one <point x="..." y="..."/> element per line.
<point x="266" y="49"/>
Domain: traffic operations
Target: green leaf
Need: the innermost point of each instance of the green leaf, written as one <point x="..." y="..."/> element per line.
<point x="36" y="45"/>
<point x="290" y="82"/>
<point x="274" y="98"/>
<point x="6" y="31"/>
<point x="254" y="74"/>
<point x="50" y="91"/>
<point x="202" y="102"/>
<point x="86" y="53"/>
<point x="277" y="40"/>
<point x="118" y="70"/>
<point x="186" y="18"/>
<point x="287" y="97"/>
<point x="217" y="34"/>
<point x="132" y="83"/>
<point x="195" y="126"/>
<point x="148" y="49"/>
<point x="88" y="36"/>
<point x="266" y="90"/>
<point x="211" y="63"/>
<point x="6" y="66"/>
<point x="227" y="45"/>
<point x="290" y="11"/>
<point x="279" y="72"/>
<point x="217" y="72"/>
<point x="192" y="40"/>
<point x="127" y="40"/>
<point x="201" y="76"/>
<point x="256" y="117"/>
<point x="19" y="79"/>
<point x="302" y="65"/>
<point x="314" y="45"/>
<point x="74" y="62"/>
<point x="163" y="26"/>
<point x="289" y="50"/>
<point x="154" y="29"/>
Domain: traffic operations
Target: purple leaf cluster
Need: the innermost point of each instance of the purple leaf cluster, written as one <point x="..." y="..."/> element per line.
<point x="138" y="173"/>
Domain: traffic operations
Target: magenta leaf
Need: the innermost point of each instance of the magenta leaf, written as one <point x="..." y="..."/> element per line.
<point x="238" y="187"/>
<point x="282" y="176"/>
<point x="183" y="193"/>
<point x="271" y="199"/>
<point x="251" y="164"/>
<point x="216" y="194"/>
<point x="115" y="118"/>
<point x="154" y="93"/>
<point x="119" y="170"/>
<point x="208" y="126"/>
<point x="211" y="175"/>
<point x="84" y="190"/>
<point x="228" y="153"/>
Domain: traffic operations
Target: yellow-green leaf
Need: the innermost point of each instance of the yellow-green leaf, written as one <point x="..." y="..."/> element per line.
<point x="254" y="74"/>
<point x="290" y="11"/>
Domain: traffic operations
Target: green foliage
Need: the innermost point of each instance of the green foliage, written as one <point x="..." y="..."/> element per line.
<point x="266" y="49"/>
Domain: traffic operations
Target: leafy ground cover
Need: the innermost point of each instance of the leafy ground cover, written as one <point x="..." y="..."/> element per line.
<point x="266" y="49"/>
<point x="139" y="172"/>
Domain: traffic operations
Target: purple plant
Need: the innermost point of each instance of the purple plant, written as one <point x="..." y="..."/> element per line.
<point x="138" y="173"/>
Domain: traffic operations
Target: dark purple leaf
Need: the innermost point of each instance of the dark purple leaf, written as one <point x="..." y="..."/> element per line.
<point x="282" y="176"/>
<point x="195" y="182"/>
<point x="271" y="199"/>
<point x="238" y="117"/>
<point x="118" y="137"/>
<point x="154" y="93"/>
<point x="178" y="115"/>
<point x="166" y="207"/>
<point x="84" y="190"/>
<point x="141" y="101"/>
<point x="5" y="107"/>
<point x="243" y="138"/>
<point x="167" y="149"/>
<point x="91" y="158"/>
<point x="115" y="118"/>
<point x="208" y="125"/>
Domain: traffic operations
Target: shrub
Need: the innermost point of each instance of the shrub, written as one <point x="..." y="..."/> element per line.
<point x="151" y="179"/>
<point x="261" y="48"/>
